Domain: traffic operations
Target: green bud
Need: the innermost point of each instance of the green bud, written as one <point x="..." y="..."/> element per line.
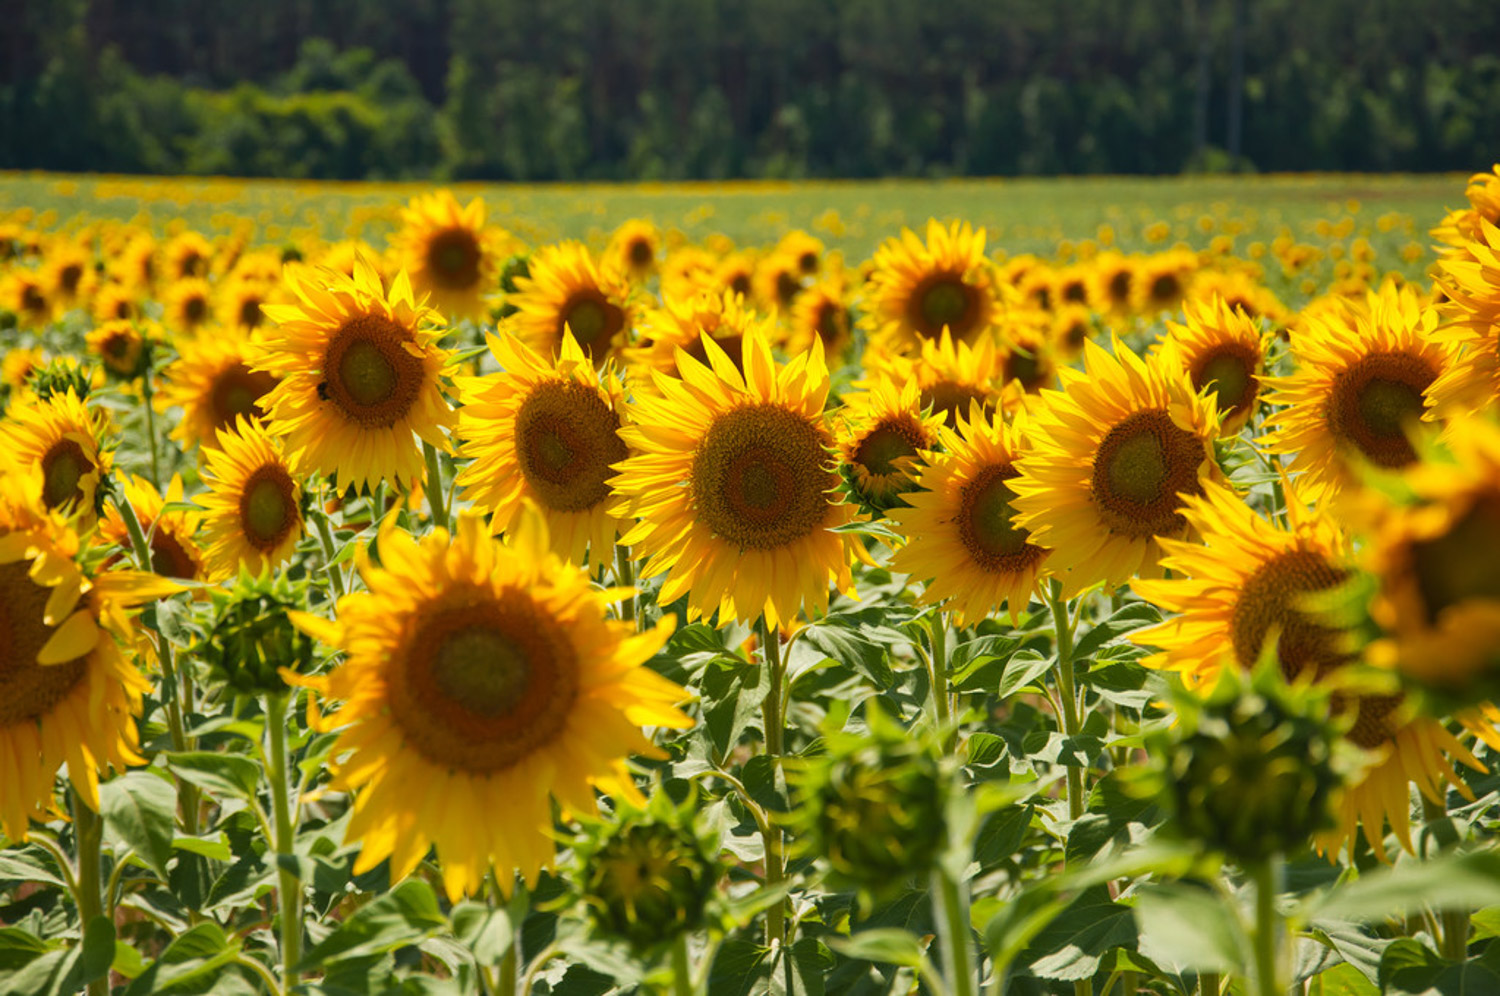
<point x="252" y="636"/>
<point x="61" y="376"/>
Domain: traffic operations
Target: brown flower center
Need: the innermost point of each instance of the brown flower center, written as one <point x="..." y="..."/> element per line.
<point x="1374" y="402"/>
<point x="567" y="441"/>
<point x="993" y="542"/>
<point x="1143" y="467"/>
<point x="28" y="689"/>
<point x="369" y="374"/>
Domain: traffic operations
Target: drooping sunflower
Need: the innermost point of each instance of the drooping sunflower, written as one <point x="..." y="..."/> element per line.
<point x="481" y="680"/>
<point x="882" y="435"/>
<point x="449" y="252"/>
<point x="1244" y="590"/>
<point x="211" y="381"/>
<point x="683" y="324"/>
<point x="63" y="437"/>
<point x="252" y="513"/>
<point x="568" y="289"/>
<point x="545" y="431"/>
<point x="1223" y="351"/>
<point x="949" y="375"/>
<point x="172" y="535"/>
<point x="67" y="693"/>
<point x="359" y="368"/>
<point x="187" y="305"/>
<point x="733" y="486"/>
<point x="917" y="289"/>
<point x="634" y="248"/>
<point x="962" y="542"/>
<point x="1357" y="392"/>
<point x="1471" y="281"/>
<point x="1112" y="456"/>
<point x="120" y="347"/>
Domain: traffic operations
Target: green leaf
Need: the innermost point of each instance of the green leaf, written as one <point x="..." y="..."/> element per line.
<point x="53" y="974"/>
<point x="732" y="690"/>
<point x="403" y="916"/>
<point x="984" y="749"/>
<point x="739" y="969"/>
<point x="1187" y="927"/>
<point x="1069" y="947"/>
<point x="975" y="665"/>
<point x="888" y="945"/>
<point x="1024" y="668"/>
<point x="227" y="774"/>
<point x="27" y="866"/>
<point x="1341" y="980"/>
<point x="1001" y="834"/>
<point x="216" y="849"/>
<point x="97" y="952"/>
<point x="141" y="809"/>
<point x="197" y="955"/>
<point x="1410" y="969"/>
<point x="860" y="639"/>
<point x="1453" y="881"/>
<point x="810" y="964"/>
<point x="487" y="933"/>
<point x="18" y="948"/>
<point x="1130" y="616"/>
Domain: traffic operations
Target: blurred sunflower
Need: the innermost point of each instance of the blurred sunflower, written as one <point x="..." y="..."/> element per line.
<point x="120" y="347"/>
<point x="1357" y="391"/>
<point x="65" y="439"/>
<point x="115" y="301"/>
<point x="1070" y="328"/>
<point x="777" y="281"/>
<point x="805" y="250"/>
<point x="252" y="513"/>
<point x="449" y="253"/>
<point x="359" y="368"/>
<point x="135" y="266"/>
<point x="17" y="365"/>
<point x="1243" y="590"/>
<point x="68" y="274"/>
<point x="547" y="431"/>
<point x="1458" y="227"/>
<point x="1223" y="352"/>
<point x="735" y="273"/>
<point x="634" y="248"/>
<point x="962" y="541"/>
<point x="882" y="435"/>
<point x="23" y="293"/>
<point x="1161" y="281"/>
<point x="67" y="693"/>
<point x="1027" y="360"/>
<point x="174" y="548"/>
<point x="240" y="301"/>
<point x="690" y="270"/>
<point x="568" y="290"/>
<point x="949" y="375"/>
<point x="211" y="381"/>
<point x="1471" y="282"/>
<point x="723" y="317"/>
<point x="822" y="311"/>
<point x="1111" y="457"/>
<point x="733" y="486"/>
<point x="481" y="680"/>
<point x="187" y="255"/>
<point x="917" y="290"/>
<point x="186" y="305"/>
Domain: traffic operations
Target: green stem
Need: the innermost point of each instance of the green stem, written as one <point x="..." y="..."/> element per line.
<point x="1453" y="943"/>
<point x="88" y="829"/>
<point x="290" y="889"/>
<point x="682" y="970"/>
<point x="1265" y="875"/>
<point x="773" y="719"/>
<point x="1208" y="984"/>
<point x="953" y="928"/>
<point x="435" y="499"/>
<point x="937" y="628"/>
<point x="335" y="572"/>
<point x="506" y="984"/>
<point x="1067" y="688"/>
<point x="625" y="578"/>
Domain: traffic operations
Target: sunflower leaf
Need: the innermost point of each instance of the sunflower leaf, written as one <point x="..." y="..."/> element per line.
<point x="141" y="809"/>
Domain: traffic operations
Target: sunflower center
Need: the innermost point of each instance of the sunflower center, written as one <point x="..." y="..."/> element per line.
<point x="1165" y="288"/>
<point x="1145" y="463"/>
<point x="453" y="259"/>
<point x="195" y="309"/>
<point x="28" y="689"/>
<point x="236" y="392"/>
<point x="641" y="253"/>
<point x="944" y="303"/>
<point x="1230" y="374"/>
<point x="594" y="322"/>
<point x="1269" y="607"/>
<point x="787" y="287"/>
<point x="1374" y="401"/>
<point x="892" y="440"/>
<point x="32" y="299"/>
<point x="1461" y="564"/>
<point x="371" y="376"/>
<point x="250" y="313"/>
<point x="1024" y="366"/>
<point x="993" y="542"/>
<point x="63" y="467"/>
<point x="485" y="679"/>
<point x="268" y="510"/>
<point x="169" y="558"/>
<point x="951" y="400"/>
<point x="760" y="478"/>
<point x="1074" y="292"/>
<point x="567" y="438"/>
<point x="831" y="322"/>
<point x="70" y="276"/>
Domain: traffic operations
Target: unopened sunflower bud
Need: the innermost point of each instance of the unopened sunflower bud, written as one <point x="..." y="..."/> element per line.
<point x="647" y="881"/>
<point x="253" y="637"/>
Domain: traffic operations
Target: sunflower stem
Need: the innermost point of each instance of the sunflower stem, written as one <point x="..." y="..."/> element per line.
<point x="1208" y="984"/>
<point x="772" y="718"/>
<point x="682" y="970"/>
<point x="625" y="578"/>
<point x="289" y="892"/>
<point x="953" y="929"/>
<point x="1454" y="942"/>
<point x="435" y="500"/>
<point x="1068" y="692"/>
<point x="335" y="572"/>
<point x="506" y="984"/>
<point x="1266" y="876"/>
<point x="88" y="831"/>
<point x="937" y="628"/>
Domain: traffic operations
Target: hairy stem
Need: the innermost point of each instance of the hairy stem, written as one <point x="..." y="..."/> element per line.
<point x="942" y="708"/>
<point x="88" y="829"/>
<point x="290" y="888"/>
<point x="773" y="712"/>
<point x="953" y="925"/>
<point x="1266" y="875"/>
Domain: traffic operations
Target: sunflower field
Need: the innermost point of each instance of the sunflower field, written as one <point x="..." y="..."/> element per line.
<point x="758" y="590"/>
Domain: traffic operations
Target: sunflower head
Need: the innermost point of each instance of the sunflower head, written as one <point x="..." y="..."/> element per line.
<point x="634" y="248"/>
<point x="1222" y="351"/>
<point x="359" y="370"/>
<point x="451" y="255"/>
<point x="212" y="383"/>
<point x="822" y="311"/>
<point x="171" y="534"/>
<point x="567" y="290"/>
<point x="685" y="324"/>
<point x="187" y="255"/>
<point x="1161" y="282"/>
<point x="25" y="296"/>
<point x="253" y="515"/>
<point x="63" y="437"/>
<point x="882" y="435"/>
<point x="121" y="348"/>
<point x="920" y="289"/>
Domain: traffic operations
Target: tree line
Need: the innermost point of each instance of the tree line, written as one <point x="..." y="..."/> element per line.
<point x="710" y="89"/>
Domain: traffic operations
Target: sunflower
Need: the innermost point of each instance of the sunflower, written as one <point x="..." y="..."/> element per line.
<point x="568" y="290"/>
<point x="187" y="255"/>
<point x="68" y="274"/>
<point x="1435" y="558"/>
<point x="120" y="347"/>
<point x="1357" y="391"/>
<point x="949" y="375"/>
<point x="135" y="266"/>
<point x="547" y="431"/>
<point x="634" y="248"/>
<point x="359" y="369"/>
<point x="1027" y="360"/>
<point x="211" y="381"/>
<point x="62" y="437"/>
<point x="174" y="550"/>
<point x="1239" y="292"/>
<point x="23" y="293"/>
<point x="805" y="250"/>
<point x="733" y="486"/>
<point x="684" y="324"/>
<point x="240" y="301"/>
<point x="735" y="273"/>
<point x="917" y="290"/>
<point x="777" y="281"/>
<point x="1161" y="282"/>
<point x="252" y="513"/>
<point x="481" y="679"/>
<point x="1222" y="351"/>
<point x="1459" y="227"/>
<point x="961" y="540"/>
<point x="186" y="305"/>
<point x="1243" y="589"/>
<point x="690" y="270"/>
<point x="18" y="364"/>
<point x="882" y="434"/>
<point x="1111" y="457"/>
<point x="67" y="693"/>
<point x="115" y="301"/>
<point x="449" y="253"/>
<point x="822" y="311"/>
<point x="1073" y="287"/>
<point x="1068" y="330"/>
<point x="1471" y="283"/>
